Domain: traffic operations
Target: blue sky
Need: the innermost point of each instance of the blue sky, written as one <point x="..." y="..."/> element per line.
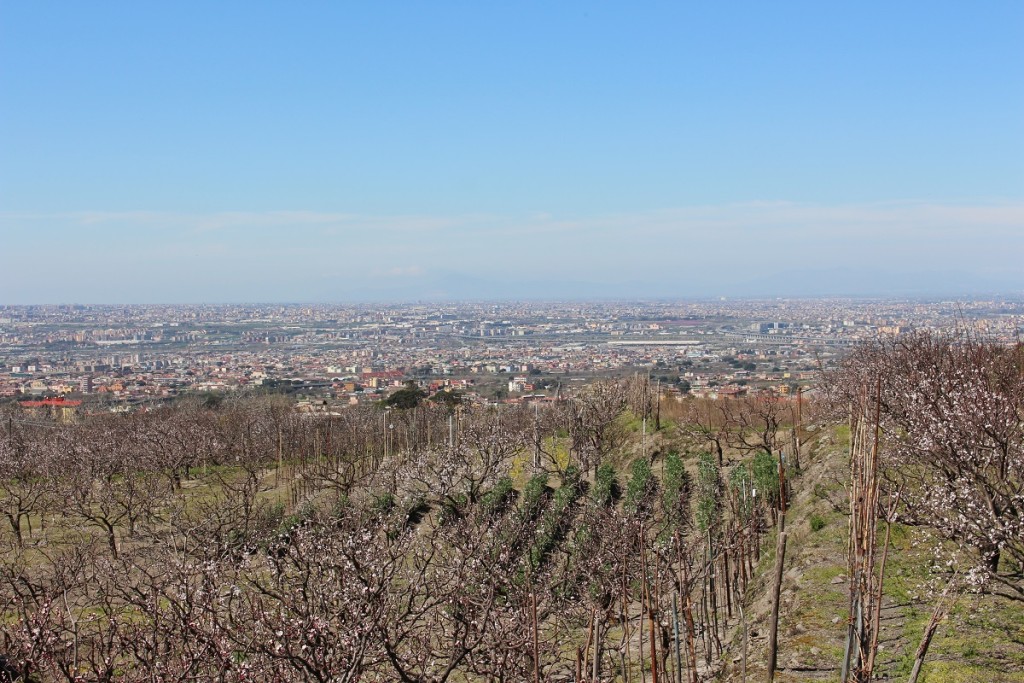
<point x="344" y="151"/>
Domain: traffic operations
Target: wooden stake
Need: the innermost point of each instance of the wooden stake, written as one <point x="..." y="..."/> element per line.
<point x="536" y="641"/>
<point x="773" y="643"/>
<point x="650" y="620"/>
<point x="675" y="633"/>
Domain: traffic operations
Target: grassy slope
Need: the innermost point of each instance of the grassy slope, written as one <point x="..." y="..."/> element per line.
<point x="981" y="640"/>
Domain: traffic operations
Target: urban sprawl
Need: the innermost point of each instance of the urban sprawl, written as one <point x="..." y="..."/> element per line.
<point x="64" y="358"/>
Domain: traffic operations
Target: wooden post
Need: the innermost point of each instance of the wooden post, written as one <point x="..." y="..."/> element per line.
<point x="590" y="638"/>
<point x="657" y="413"/>
<point x="536" y="435"/>
<point x="691" y="629"/>
<point x="782" y="491"/>
<point x="643" y="605"/>
<point x="280" y="459"/>
<point x="675" y="633"/>
<point x="328" y="447"/>
<point x="743" y="625"/>
<point x="780" y="558"/>
<point x="536" y="641"/>
<point x="628" y="664"/>
<point x="728" y="583"/>
<point x="799" y="426"/>
<point x="865" y="587"/>
<point x="650" y="621"/>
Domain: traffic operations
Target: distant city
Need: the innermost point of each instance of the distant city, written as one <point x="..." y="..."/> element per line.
<point x="63" y="357"/>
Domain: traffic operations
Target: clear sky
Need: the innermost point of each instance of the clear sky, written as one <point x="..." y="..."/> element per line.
<point x="338" y="151"/>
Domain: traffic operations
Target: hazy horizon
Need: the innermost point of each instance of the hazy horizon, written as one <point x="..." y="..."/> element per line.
<point x="923" y="297"/>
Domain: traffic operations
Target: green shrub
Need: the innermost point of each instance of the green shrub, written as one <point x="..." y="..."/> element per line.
<point x="551" y="527"/>
<point x="766" y="477"/>
<point x="572" y="476"/>
<point x="709" y="493"/>
<point x="605" y="485"/>
<point x="497" y="499"/>
<point x="533" y="495"/>
<point x="640" y="487"/>
<point x="383" y="503"/>
<point x="675" y="494"/>
<point x="817" y="522"/>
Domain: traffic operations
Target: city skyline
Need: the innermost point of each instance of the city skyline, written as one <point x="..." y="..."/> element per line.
<point x="349" y="354"/>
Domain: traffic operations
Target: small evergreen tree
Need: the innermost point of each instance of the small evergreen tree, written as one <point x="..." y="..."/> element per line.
<point x="675" y="494"/>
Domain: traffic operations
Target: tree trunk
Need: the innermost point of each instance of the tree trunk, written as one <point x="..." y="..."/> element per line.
<point x="111" y="539"/>
<point x="16" y="526"/>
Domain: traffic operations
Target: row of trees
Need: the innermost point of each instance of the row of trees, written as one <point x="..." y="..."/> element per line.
<point x="248" y="541"/>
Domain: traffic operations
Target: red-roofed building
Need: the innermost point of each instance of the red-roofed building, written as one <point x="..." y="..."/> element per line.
<point x="386" y="374"/>
<point x="57" y="408"/>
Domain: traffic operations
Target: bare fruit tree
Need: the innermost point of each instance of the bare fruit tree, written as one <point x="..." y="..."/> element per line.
<point x="952" y="423"/>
